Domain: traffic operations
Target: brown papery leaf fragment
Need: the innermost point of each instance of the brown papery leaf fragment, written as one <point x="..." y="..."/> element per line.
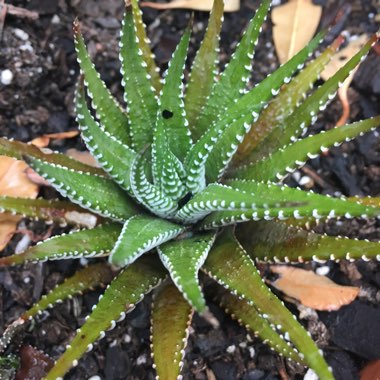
<point x="312" y="290"/>
<point x="295" y="24"/>
<point x="83" y="156"/>
<point x="44" y="140"/>
<point x="199" y="5"/>
<point x="339" y="60"/>
<point x="35" y="364"/>
<point x="14" y="183"/>
<point x="371" y="371"/>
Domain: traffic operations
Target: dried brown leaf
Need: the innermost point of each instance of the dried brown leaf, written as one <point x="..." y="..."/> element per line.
<point x="294" y="25"/>
<point x="14" y="183"/>
<point x="338" y="61"/>
<point x="84" y="157"/>
<point x="199" y="5"/>
<point x="44" y="140"/>
<point x="312" y="290"/>
<point x="371" y="371"/>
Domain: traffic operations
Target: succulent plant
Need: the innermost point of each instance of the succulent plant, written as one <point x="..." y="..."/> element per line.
<point x="191" y="181"/>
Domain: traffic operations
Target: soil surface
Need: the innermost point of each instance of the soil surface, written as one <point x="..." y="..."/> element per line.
<point x="39" y="99"/>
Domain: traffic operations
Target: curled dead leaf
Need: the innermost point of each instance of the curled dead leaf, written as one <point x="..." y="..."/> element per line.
<point x="371" y="371"/>
<point x="14" y="183"/>
<point x="84" y="157"/>
<point x="199" y="5"/>
<point x="339" y="60"/>
<point x="312" y="290"/>
<point x="44" y="140"/>
<point x="290" y="31"/>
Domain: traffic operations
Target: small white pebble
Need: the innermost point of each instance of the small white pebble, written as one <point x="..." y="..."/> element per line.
<point x="305" y="180"/>
<point x="19" y="33"/>
<point x="231" y="349"/>
<point x="55" y="20"/>
<point x="243" y="344"/>
<point x="141" y="360"/>
<point x="6" y="77"/>
<point x="96" y="377"/>
<point x="127" y="338"/>
<point x="323" y="271"/>
<point x="252" y="352"/>
<point x="23" y="244"/>
<point x="310" y="375"/>
<point x="83" y="261"/>
<point x="26" y="280"/>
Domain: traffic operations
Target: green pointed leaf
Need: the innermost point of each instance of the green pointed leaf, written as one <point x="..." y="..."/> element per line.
<point x="127" y="289"/>
<point x="248" y="316"/>
<point x="274" y="241"/>
<point x="234" y="79"/>
<point x="201" y="78"/>
<point x="143" y="42"/>
<point x="171" y="318"/>
<point x="114" y="156"/>
<point x="183" y="258"/>
<point x="306" y="114"/>
<point x="368" y="201"/>
<point x="284" y="103"/>
<point x="98" y="241"/>
<point x="239" y="117"/>
<point x="253" y="100"/>
<point x="196" y="159"/>
<point x="164" y="167"/>
<point x="98" y="194"/>
<point x="286" y="160"/>
<point x="108" y="110"/>
<point x="50" y="210"/>
<point x="18" y="149"/>
<point x="284" y="202"/>
<point x="85" y="279"/>
<point x="147" y="194"/>
<point x="140" y="234"/>
<point x="171" y="116"/>
<point x="138" y="91"/>
<point x="228" y="264"/>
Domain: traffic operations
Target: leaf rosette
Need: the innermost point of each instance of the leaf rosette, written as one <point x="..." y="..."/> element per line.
<point x="181" y="168"/>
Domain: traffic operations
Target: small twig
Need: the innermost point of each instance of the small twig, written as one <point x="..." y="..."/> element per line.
<point x="21" y="12"/>
<point x="313" y="175"/>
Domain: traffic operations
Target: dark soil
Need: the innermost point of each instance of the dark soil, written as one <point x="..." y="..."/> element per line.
<point x="40" y="54"/>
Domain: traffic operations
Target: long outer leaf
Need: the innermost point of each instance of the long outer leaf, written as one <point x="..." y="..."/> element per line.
<point x="85" y="279"/>
<point x="18" y="149"/>
<point x="108" y="110"/>
<point x="280" y="163"/>
<point x="127" y="289"/>
<point x="306" y="113"/>
<point x="228" y="264"/>
<point x="144" y="45"/>
<point x="97" y="241"/>
<point x="138" y="91"/>
<point x="299" y="204"/>
<point x="247" y="110"/>
<point x="98" y="194"/>
<point x="112" y="154"/>
<point x="183" y="259"/>
<point x="284" y="103"/>
<point x="171" y="318"/>
<point x="49" y="210"/>
<point x="234" y="79"/>
<point x="248" y="316"/>
<point x="140" y="234"/>
<point x="275" y="241"/>
<point x="204" y="68"/>
<point x="171" y="115"/>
